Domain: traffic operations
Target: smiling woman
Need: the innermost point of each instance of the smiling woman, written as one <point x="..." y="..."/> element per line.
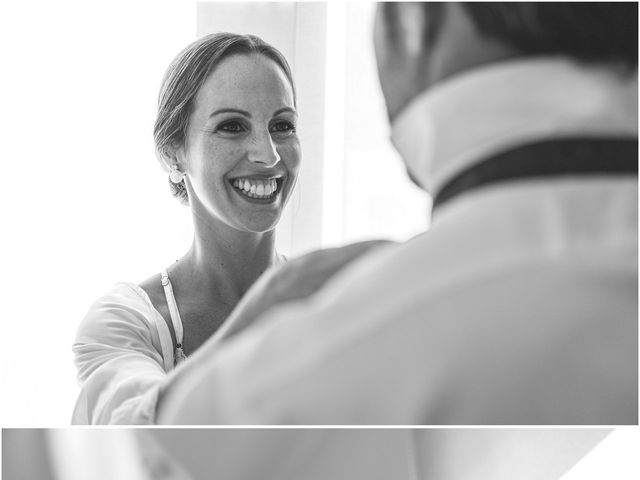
<point x="242" y="128"/>
<point x="226" y="132"/>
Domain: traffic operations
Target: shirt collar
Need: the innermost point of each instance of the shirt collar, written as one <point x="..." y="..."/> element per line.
<point x="481" y="112"/>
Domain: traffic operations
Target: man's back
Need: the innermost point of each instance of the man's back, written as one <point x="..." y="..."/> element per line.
<point x="519" y="306"/>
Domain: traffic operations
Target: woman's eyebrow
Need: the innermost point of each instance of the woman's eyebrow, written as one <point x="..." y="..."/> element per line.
<point x="285" y="109"/>
<point x="230" y="110"/>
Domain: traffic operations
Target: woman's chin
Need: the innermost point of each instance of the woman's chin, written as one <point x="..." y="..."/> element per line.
<point x="258" y="215"/>
<point x="260" y="224"/>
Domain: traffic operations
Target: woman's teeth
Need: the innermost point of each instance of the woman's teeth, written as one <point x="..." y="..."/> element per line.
<point x="256" y="188"/>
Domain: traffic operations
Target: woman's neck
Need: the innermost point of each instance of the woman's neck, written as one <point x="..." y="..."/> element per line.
<point x="225" y="260"/>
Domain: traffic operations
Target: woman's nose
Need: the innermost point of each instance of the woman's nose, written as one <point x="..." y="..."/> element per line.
<point x="263" y="151"/>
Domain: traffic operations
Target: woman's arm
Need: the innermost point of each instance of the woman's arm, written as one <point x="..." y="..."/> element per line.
<point x="120" y="365"/>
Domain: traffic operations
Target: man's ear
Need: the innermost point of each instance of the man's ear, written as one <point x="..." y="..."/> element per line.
<point x="422" y="31"/>
<point x="404" y="50"/>
<point x="411" y="25"/>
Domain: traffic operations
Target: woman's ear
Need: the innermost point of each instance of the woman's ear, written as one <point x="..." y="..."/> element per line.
<point x="174" y="155"/>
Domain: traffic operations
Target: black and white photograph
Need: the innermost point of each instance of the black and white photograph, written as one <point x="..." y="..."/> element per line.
<point x="284" y="227"/>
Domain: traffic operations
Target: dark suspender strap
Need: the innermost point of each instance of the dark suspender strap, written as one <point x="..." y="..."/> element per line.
<point x="552" y="158"/>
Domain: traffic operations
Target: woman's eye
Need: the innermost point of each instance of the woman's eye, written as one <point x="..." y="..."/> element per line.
<point x="231" y="127"/>
<point x="283" y="127"/>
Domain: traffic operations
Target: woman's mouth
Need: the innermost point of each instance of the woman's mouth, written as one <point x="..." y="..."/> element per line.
<point x="259" y="189"/>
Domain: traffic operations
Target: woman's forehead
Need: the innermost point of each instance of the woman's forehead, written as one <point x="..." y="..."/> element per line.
<point x="246" y="80"/>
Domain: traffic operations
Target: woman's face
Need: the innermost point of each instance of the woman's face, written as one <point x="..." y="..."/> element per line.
<point x="241" y="153"/>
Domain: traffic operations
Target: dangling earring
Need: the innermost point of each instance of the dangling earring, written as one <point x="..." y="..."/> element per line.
<point x="176" y="176"/>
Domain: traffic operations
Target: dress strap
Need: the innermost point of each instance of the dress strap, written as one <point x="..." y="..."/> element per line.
<point x="175" y="316"/>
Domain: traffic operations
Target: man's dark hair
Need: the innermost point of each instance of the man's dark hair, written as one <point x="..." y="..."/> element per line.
<point x="587" y="31"/>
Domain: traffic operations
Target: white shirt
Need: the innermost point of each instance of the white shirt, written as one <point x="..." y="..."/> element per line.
<point x="519" y="306"/>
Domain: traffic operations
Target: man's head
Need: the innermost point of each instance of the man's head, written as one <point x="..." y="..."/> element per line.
<point x="420" y="44"/>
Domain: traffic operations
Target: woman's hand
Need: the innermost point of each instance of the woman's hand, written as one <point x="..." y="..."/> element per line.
<point x="294" y="280"/>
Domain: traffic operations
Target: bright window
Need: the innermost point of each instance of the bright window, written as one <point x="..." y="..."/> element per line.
<point x="368" y="193"/>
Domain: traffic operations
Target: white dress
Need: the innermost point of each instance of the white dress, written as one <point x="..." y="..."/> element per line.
<point x="123" y="352"/>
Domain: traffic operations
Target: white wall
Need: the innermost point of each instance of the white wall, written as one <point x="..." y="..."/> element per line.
<point x="84" y="203"/>
<point x="615" y="457"/>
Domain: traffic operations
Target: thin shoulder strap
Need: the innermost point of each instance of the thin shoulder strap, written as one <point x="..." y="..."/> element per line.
<point x="175" y="315"/>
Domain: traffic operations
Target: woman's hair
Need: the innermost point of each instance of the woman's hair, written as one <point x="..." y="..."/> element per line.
<point x="183" y="79"/>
